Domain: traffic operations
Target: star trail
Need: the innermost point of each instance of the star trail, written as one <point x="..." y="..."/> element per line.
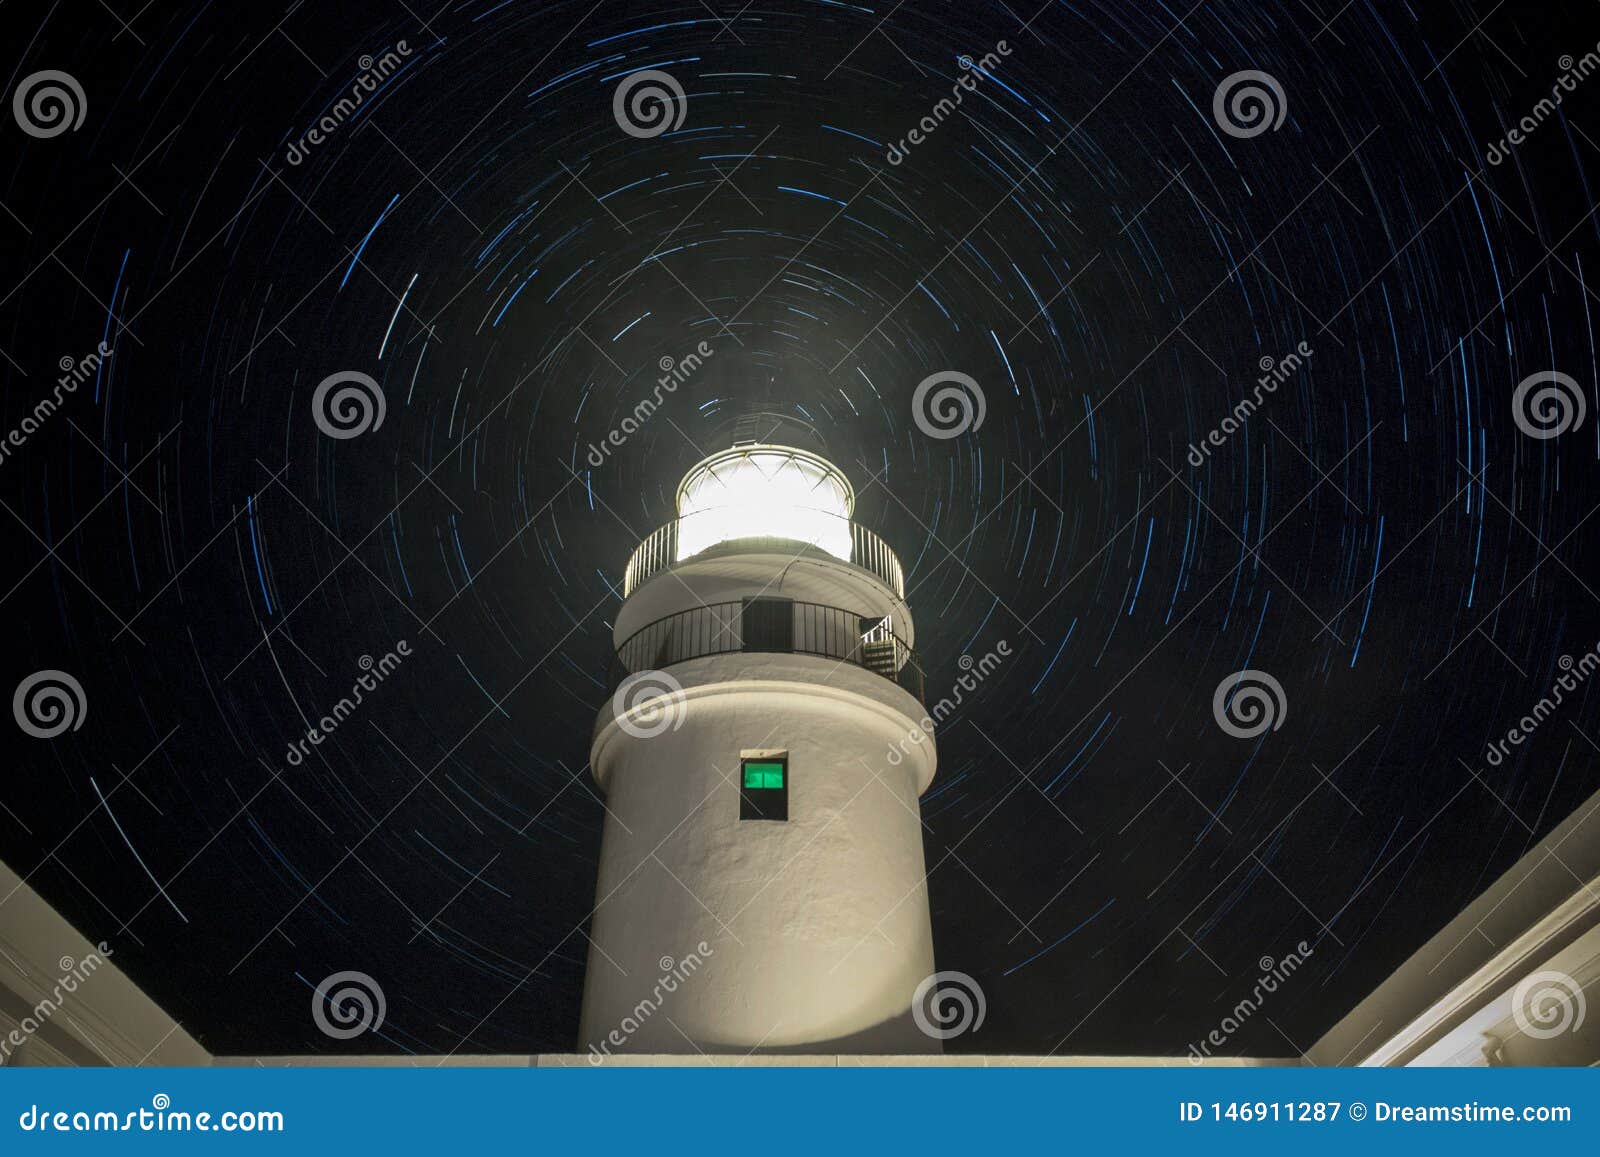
<point x="1269" y="333"/>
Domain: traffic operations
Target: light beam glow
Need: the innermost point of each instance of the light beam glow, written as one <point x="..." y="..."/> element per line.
<point x="758" y="491"/>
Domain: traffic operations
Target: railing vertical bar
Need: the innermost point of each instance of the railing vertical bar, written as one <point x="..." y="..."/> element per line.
<point x="659" y="552"/>
<point x="829" y="632"/>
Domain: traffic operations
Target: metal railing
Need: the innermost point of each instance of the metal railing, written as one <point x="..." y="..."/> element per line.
<point x="660" y="550"/>
<point x="772" y="626"/>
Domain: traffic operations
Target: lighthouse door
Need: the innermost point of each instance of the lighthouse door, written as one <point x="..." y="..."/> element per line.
<point x="768" y="625"/>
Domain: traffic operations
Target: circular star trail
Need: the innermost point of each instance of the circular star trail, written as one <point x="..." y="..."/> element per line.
<point x="325" y="335"/>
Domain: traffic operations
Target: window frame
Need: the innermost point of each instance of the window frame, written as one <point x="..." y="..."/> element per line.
<point x="764" y="803"/>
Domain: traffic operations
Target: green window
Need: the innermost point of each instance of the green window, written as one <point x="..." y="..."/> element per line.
<point x="763" y="774"/>
<point x="764" y="787"/>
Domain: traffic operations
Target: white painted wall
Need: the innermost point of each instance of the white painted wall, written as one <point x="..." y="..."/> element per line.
<point x="816" y="930"/>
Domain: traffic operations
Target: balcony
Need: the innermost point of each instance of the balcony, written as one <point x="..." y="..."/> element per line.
<point x="770" y="626"/>
<point x="703" y="533"/>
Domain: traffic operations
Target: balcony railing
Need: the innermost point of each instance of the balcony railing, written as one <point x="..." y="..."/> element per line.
<point x="867" y="551"/>
<point x="772" y="626"/>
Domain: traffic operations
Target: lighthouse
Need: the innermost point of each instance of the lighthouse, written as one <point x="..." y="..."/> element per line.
<point x="761" y="882"/>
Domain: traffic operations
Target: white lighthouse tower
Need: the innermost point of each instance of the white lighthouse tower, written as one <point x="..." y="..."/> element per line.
<point x="762" y="885"/>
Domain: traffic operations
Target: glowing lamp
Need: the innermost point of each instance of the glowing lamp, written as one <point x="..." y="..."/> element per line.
<point x="756" y="491"/>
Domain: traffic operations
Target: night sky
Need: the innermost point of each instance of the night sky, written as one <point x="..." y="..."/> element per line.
<point x="1401" y="539"/>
